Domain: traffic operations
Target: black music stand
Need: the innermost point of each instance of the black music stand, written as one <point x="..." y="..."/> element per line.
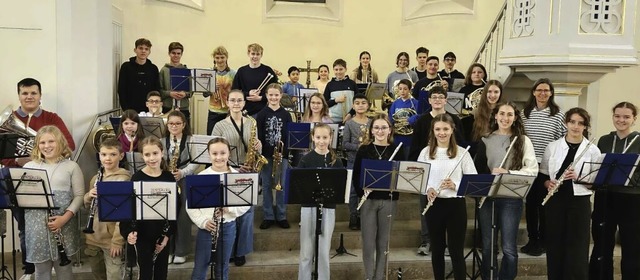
<point x="615" y="173"/>
<point x="505" y="186"/>
<point x="221" y="190"/>
<point x="327" y="188"/>
<point x="9" y="145"/>
<point x="475" y="186"/>
<point x="6" y="203"/>
<point x="152" y="126"/>
<point x="135" y="162"/>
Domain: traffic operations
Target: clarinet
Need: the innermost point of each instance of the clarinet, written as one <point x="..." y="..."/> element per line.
<point x="64" y="259"/>
<point x="165" y="230"/>
<point x="217" y="220"/>
<point x="94" y="203"/>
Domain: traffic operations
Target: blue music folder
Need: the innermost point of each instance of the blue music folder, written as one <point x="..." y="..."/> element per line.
<point x="180" y="79"/>
<point x="5" y="180"/>
<point x="616" y="169"/>
<point x="377" y="174"/>
<point x="299" y="135"/>
<point x="475" y="185"/>
<point x="116" y="201"/>
<point x="204" y="191"/>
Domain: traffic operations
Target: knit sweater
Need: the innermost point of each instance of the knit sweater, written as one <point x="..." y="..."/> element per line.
<point x="394" y="77"/>
<point x="543" y="128"/>
<point x="442" y="165"/>
<point x="351" y="135"/>
<point x="107" y="234"/>
<point x="225" y="128"/>
<point x="493" y="148"/>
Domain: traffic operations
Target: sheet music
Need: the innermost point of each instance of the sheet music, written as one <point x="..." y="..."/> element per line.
<point x="513" y="185"/>
<point x="337" y="112"/>
<point x="242" y="189"/>
<point x="31" y="194"/>
<point x="348" y="185"/>
<point x="152" y="126"/>
<point x="413" y="177"/>
<point x="303" y="98"/>
<point x="454" y="103"/>
<point x="204" y="80"/>
<point x="198" y="148"/>
<point x="156" y="200"/>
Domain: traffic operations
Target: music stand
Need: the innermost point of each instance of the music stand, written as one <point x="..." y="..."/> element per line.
<point x="475" y="186"/>
<point x="327" y="188"/>
<point x="375" y="92"/>
<point x="505" y="186"/>
<point x="614" y="173"/>
<point x="221" y="190"/>
<point x="135" y="161"/>
<point x="9" y="145"/>
<point x="152" y="126"/>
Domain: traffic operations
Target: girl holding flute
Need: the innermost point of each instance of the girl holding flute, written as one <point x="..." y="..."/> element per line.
<point x="505" y="150"/>
<point x="380" y="205"/>
<point x="568" y="211"/>
<point x="447" y="220"/>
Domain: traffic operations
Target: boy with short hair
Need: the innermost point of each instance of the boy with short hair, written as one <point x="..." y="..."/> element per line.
<point x="105" y="245"/>
<point x="173" y="99"/>
<point x="421" y="56"/>
<point x="154" y="105"/>
<point x="354" y="130"/>
<point x="249" y="77"/>
<point x="272" y="129"/>
<point x="137" y="77"/>
<point x="292" y="87"/>
<point x="339" y="84"/>
<point x="449" y="73"/>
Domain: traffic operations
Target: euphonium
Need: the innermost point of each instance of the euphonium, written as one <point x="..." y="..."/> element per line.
<point x="436" y="83"/>
<point x="253" y="159"/>
<point x="276" y="172"/>
<point x="94" y="203"/>
<point x="9" y="123"/>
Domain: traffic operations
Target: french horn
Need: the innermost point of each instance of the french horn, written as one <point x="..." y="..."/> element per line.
<point x="401" y="124"/>
<point x="9" y="123"/>
<point x="103" y="132"/>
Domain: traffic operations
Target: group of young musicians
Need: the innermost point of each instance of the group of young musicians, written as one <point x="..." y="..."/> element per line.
<point x="538" y="140"/>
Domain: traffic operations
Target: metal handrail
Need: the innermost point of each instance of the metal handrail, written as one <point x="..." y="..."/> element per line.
<point x="494" y="26"/>
<point x="85" y="138"/>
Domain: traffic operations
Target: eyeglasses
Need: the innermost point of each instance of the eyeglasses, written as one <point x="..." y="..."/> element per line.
<point x="449" y="59"/>
<point x="543" y="90"/>
<point x="174" y="124"/>
<point x="438" y="97"/>
<point x="154" y="101"/>
<point x="380" y="128"/>
<point x="236" y="100"/>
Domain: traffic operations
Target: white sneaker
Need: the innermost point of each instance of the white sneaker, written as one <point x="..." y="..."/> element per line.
<point x="179" y="260"/>
<point x="170" y="259"/>
<point x="27" y="277"/>
<point x="424" y="249"/>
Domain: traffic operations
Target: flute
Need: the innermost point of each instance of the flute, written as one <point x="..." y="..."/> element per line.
<point x="367" y="192"/>
<point x="430" y="203"/>
<point x="556" y="185"/>
<point x="501" y="166"/>
<point x="630" y="143"/>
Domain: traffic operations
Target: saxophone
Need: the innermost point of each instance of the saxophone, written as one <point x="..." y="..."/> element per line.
<point x="173" y="162"/>
<point x="253" y="160"/>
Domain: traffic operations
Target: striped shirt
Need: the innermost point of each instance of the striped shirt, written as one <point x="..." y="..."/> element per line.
<point x="543" y="129"/>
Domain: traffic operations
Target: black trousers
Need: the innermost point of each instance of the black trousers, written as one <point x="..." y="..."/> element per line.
<point x="447" y="221"/>
<point x="149" y="269"/>
<point x="534" y="211"/>
<point x="567" y="235"/>
<point x="612" y="211"/>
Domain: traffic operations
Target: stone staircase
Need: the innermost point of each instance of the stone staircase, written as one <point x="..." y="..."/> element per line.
<point x="277" y="250"/>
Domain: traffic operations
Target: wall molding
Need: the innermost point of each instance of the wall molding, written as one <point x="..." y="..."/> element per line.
<point x="328" y="12"/>
<point x="414" y="11"/>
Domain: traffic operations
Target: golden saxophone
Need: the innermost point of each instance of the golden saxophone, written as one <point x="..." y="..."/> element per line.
<point x="276" y="172"/>
<point x="173" y="162"/>
<point x="253" y="160"/>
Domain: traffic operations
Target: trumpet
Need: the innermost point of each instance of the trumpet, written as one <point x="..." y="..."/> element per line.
<point x="94" y="203"/>
<point x="558" y="183"/>
<point x="430" y="203"/>
<point x="276" y="172"/>
<point x="64" y="259"/>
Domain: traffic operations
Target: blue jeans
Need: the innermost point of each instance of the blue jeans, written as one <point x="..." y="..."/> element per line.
<point x="244" y="234"/>
<point x="508" y="212"/>
<point x="203" y="252"/>
<point x="267" y="195"/>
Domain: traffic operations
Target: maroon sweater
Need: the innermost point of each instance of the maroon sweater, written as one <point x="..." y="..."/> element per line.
<point x="39" y="119"/>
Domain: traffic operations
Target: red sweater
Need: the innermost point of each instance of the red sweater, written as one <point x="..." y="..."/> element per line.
<point x="39" y="119"/>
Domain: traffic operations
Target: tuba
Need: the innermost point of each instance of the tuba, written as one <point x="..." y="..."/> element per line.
<point x="10" y="123"/>
<point x="103" y="132"/>
<point x="253" y="160"/>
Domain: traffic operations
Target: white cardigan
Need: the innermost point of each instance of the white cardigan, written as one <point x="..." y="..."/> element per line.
<point x="200" y="216"/>
<point x="555" y="154"/>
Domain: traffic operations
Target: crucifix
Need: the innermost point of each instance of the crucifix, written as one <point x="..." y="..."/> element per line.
<point x="309" y="71"/>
